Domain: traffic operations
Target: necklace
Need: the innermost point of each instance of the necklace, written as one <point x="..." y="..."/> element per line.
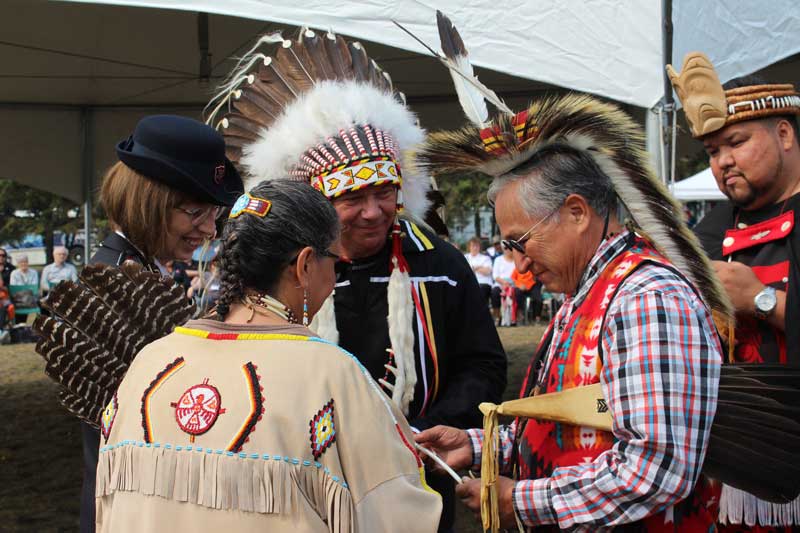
<point x="264" y="301"/>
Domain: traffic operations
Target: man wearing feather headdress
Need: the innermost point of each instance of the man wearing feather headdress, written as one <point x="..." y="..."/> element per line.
<point x="750" y="132"/>
<point x="406" y="303"/>
<point x="635" y="320"/>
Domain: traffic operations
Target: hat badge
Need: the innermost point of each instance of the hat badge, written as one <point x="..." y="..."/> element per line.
<point x="219" y="174"/>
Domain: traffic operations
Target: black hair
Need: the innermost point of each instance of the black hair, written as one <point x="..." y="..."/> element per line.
<point x="256" y="250"/>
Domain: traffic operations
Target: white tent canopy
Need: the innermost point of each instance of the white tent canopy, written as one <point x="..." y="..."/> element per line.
<point x="701" y="186"/>
<point x="78" y="75"/>
<point x="612" y="49"/>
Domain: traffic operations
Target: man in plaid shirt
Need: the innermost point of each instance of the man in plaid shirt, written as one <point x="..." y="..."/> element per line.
<point x="633" y="322"/>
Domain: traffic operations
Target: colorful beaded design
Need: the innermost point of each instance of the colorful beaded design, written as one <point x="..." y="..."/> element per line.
<point x="108" y="416"/>
<point x="255" y="392"/>
<point x="159" y="380"/>
<point x="355" y="158"/>
<point x="198" y="408"/>
<point x="322" y="430"/>
<point x="250" y="204"/>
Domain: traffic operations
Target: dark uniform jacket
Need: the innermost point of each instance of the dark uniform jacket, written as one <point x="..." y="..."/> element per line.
<point x="468" y="365"/>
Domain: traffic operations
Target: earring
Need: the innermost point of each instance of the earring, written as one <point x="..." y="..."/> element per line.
<point x="305" y="307"/>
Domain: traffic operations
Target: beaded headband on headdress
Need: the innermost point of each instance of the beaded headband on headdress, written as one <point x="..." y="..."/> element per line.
<point x="709" y="107"/>
<point x="355" y="158"/>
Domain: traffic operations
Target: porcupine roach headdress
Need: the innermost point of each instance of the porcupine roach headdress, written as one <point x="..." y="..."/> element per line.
<point x="320" y="110"/>
<point x="496" y="147"/>
<point x="98" y="326"/>
<point x="613" y="140"/>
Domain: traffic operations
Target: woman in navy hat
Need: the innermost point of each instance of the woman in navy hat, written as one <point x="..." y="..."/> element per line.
<point x="162" y="199"/>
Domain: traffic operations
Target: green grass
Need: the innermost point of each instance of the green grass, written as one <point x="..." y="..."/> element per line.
<point x="40" y="444"/>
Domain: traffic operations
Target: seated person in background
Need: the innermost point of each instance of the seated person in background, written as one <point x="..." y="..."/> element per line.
<point x="57" y="271"/>
<point x="5" y="268"/>
<point x="501" y="274"/>
<point x="481" y="265"/>
<point x="496" y="249"/>
<point x="525" y="286"/>
<point x="6" y="308"/>
<point x="24" y="274"/>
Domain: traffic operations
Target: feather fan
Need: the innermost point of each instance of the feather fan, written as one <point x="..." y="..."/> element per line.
<point x="99" y="325"/>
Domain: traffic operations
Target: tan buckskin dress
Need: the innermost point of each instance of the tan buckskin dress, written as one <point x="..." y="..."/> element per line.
<point x="225" y="429"/>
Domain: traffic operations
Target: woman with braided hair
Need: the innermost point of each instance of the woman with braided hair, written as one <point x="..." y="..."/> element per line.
<point x="245" y="420"/>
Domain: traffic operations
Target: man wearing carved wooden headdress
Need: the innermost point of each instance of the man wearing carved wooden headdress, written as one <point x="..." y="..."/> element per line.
<point x="406" y="303"/>
<point x="750" y="131"/>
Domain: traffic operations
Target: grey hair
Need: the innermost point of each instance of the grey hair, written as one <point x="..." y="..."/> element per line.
<point x="553" y="173"/>
<point x="256" y="250"/>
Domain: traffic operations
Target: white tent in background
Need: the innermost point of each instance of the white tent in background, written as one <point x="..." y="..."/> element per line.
<point x="701" y="186"/>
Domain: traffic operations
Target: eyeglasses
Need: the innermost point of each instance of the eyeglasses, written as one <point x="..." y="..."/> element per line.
<point x="201" y="214"/>
<point x="324" y="253"/>
<point x="519" y="244"/>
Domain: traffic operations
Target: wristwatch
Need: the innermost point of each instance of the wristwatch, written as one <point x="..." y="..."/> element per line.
<point x="765" y="301"/>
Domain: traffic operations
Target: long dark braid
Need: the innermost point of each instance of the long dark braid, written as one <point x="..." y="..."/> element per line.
<point x="256" y="250"/>
<point x="231" y="287"/>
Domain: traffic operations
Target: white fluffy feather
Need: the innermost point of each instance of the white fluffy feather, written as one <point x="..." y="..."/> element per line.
<point x="324" y="322"/>
<point x="321" y="113"/>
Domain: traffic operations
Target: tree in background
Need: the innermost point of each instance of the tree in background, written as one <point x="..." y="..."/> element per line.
<point x="464" y="198"/>
<point x="24" y="210"/>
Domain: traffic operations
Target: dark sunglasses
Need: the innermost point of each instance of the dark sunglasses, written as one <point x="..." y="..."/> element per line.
<point x="518" y="245"/>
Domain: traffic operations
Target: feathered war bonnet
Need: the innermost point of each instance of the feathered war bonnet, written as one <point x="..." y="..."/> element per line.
<point x="320" y="110"/>
<point x="602" y="130"/>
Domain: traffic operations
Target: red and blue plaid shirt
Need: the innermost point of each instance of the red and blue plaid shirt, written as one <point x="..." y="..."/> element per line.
<point x="662" y="360"/>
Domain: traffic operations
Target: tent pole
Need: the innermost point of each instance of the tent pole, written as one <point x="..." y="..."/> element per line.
<point x="668" y="102"/>
<point x="87" y="165"/>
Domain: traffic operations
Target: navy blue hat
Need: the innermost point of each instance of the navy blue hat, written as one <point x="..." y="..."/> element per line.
<point x="185" y="155"/>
